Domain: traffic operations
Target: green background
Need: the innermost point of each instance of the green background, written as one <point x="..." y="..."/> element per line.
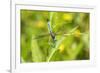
<point x="37" y="44"/>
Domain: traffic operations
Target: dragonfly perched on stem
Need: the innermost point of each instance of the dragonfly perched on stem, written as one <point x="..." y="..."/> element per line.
<point x="53" y="35"/>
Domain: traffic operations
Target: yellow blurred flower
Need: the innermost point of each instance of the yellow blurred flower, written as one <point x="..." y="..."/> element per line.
<point x="77" y="33"/>
<point x="68" y="16"/>
<point x="40" y="24"/>
<point x="61" y="48"/>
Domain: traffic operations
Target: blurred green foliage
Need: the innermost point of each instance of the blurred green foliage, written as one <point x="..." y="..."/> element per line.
<point x="36" y="42"/>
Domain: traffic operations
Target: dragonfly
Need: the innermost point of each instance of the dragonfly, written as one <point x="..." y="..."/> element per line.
<point x="53" y="34"/>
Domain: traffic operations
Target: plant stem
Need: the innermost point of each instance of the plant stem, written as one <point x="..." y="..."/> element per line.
<point x="52" y="53"/>
<point x="55" y="49"/>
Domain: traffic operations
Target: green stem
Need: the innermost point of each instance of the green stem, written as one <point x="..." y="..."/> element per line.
<point x="52" y="53"/>
<point x="55" y="49"/>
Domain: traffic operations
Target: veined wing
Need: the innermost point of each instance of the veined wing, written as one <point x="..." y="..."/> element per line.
<point x="41" y="36"/>
<point x="69" y="34"/>
<point x="72" y="32"/>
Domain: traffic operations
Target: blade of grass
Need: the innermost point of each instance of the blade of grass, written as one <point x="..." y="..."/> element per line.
<point x="37" y="55"/>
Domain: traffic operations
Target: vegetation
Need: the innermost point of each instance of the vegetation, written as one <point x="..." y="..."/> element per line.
<point x="70" y="31"/>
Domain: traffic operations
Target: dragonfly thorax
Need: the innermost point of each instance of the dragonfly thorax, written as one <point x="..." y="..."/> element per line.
<point x="52" y="35"/>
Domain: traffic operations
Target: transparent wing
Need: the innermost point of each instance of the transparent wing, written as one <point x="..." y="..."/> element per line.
<point x="41" y="36"/>
<point x="67" y="33"/>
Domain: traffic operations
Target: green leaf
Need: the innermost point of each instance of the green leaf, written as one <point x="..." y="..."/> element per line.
<point x="37" y="55"/>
